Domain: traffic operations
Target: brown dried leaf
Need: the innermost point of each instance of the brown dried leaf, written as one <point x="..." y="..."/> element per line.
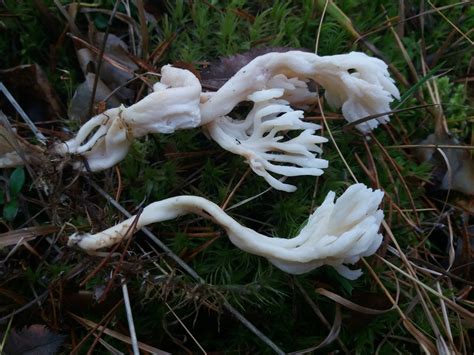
<point x="14" y="150"/>
<point x="116" y="71"/>
<point x="112" y="76"/>
<point x="79" y="108"/>
<point x="219" y="71"/>
<point x="33" y="340"/>
<point x="30" y="86"/>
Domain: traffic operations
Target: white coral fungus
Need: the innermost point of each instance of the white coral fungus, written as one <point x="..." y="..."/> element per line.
<point x="259" y="139"/>
<point x="275" y="82"/>
<point x="360" y="84"/>
<point x="105" y="139"/>
<point x="337" y="233"/>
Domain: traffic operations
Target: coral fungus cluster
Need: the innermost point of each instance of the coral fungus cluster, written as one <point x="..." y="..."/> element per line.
<point x="273" y="138"/>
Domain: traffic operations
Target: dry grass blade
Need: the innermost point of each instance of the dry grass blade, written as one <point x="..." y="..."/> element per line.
<point x="427" y="346"/>
<point x="351" y="125"/>
<point x="247" y="200"/>
<point x="351" y="305"/>
<point x="333" y="334"/>
<point x="131" y="31"/>
<point x="439" y="270"/>
<point x="430" y="146"/>
<point x="107" y="346"/>
<point x="125" y="18"/>
<point x="25" y="234"/>
<point x="234" y="190"/>
<point x="453" y="305"/>
<point x="326" y="125"/>
<point x="445" y="317"/>
<point x="185" y="328"/>
<point x="401" y="177"/>
<point x="332" y="329"/>
<point x="99" y="59"/>
<point x="401" y="21"/>
<point x="422" y="295"/>
<point x="404" y="51"/>
<point x="104" y="56"/>
<point x="117" y="335"/>
<point x="105" y="320"/>
<point x="423" y="341"/>
<point x="68" y="17"/>
<point x="36" y="300"/>
<point x="316" y="46"/>
<point x="158" y="52"/>
<point x="5" y="335"/>
<point x="451" y="23"/>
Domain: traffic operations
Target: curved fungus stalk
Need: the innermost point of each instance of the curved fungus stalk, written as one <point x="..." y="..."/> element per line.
<point x="358" y="84"/>
<point x="337" y="233"/>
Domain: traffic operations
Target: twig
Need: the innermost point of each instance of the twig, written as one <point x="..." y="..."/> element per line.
<point x="69" y="19"/>
<point x="101" y="54"/>
<point x="143" y="27"/>
<point x="40" y="298"/>
<point x="105" y="320"/>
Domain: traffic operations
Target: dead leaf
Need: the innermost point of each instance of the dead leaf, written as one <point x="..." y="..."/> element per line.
<point x="79" y="107"/>
<point x="30" y="86"/>
<point x="460" y="175"/>
<point x="115" y="73"/>
<point x="112" y="76"/>
<point x="6" y="141"/>
<point x="33" y="340"/>
<point x="219" y="71"/>
<point x="14" y="149"/>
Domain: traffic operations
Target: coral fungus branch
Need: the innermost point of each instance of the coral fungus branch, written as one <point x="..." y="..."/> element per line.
<point x="337" y="233"/>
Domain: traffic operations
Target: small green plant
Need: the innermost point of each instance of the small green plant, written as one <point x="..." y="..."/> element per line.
<point x="9" y="196"/>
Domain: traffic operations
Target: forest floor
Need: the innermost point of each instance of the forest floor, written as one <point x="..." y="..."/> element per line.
<point x="188" y="288"/>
